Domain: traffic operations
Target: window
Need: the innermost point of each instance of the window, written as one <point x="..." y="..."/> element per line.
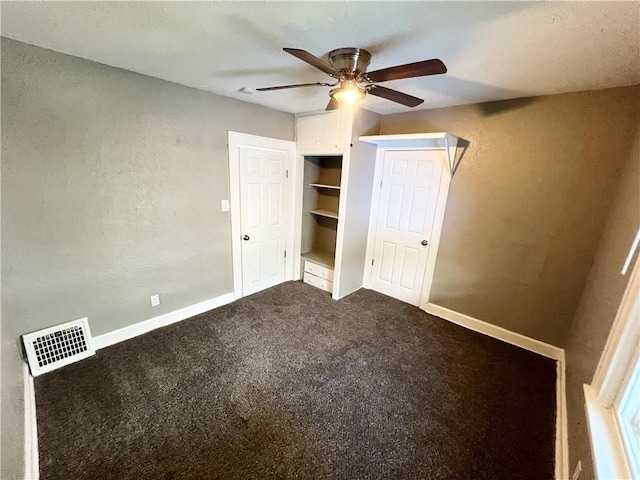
<point x="613" y="398"/>
<point x="628" y="415"/>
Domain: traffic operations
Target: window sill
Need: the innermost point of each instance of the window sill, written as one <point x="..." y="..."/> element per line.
<point x="606" y="444"/>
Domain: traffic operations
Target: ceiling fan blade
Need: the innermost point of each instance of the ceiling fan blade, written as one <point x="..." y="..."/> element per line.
<point x="410" y="70"/>
<point x="395" y="96"/>
<point x="298" y="85"/>
<point x="313" y="61"/>
<point x="333" y="104"/>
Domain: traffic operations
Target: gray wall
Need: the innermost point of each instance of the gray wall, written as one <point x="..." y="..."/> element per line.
<point x="528" y="203"/>
<point x="12" y="405"/>
<point x="111" y="189"/>
<point x="11" y="398"/>
<point x="599" y="304"/>
<point x="112" y="181"/>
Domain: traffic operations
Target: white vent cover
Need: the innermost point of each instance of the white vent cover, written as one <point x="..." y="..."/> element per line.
<point x="58" y="346"/>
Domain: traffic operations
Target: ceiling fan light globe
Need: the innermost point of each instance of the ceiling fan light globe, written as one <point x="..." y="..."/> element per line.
<point x="348" y="95"/>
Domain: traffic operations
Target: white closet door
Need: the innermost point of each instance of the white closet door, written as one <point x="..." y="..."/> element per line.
<point x="262" y="200"/>
<point x="410" y="184"/>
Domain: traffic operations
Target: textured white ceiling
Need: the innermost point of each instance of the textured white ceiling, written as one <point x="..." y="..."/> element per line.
<point x="494" y="50"/>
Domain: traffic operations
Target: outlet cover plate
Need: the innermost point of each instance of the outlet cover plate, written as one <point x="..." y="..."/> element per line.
<point x="155" y="300"/>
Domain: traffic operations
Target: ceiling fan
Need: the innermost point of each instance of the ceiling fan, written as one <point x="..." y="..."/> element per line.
<point x="349" y="67"/>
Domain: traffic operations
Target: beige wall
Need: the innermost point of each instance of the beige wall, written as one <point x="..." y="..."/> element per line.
<point x="599" y="304"/>
<point x="528" y="203"/>
<point x="111" y="189"/>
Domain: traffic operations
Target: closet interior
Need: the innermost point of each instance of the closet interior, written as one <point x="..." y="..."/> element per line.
<point x="320" y="206"/>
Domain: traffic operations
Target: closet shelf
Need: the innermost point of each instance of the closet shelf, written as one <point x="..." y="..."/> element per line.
<point x="324" y="185"/>
<point x="411" y="140"/>
<point x="325" y="213"/>
<point x="321" y="257"/>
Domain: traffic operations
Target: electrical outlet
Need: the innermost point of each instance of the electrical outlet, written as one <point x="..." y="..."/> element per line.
<point x="224" y="204"/>
<point x="576" y="472"/>
<point x="155" y="300"/>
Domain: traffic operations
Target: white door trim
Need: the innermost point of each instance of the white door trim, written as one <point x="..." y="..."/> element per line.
<point x="235" y="141"/>
<point x="438" y="220"/>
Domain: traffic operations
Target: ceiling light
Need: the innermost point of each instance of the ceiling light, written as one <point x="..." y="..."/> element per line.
<point x="348" y="93"/>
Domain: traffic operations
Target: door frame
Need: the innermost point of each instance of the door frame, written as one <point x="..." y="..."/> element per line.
<point x="438" y="220"/>
<point x="235" y="140"/>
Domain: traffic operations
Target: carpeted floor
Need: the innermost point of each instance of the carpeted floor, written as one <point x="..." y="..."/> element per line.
<point x="287" y="383"/>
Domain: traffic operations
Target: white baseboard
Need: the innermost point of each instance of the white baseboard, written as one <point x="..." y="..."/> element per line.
<point x="31" y="461"/>
<point x="533" y="345"/>
<point x="517" y="339"/>
<point x="122" y="334"/>
<point x="111" y="338"/>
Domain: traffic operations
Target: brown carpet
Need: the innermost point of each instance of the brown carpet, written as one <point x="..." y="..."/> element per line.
<point x="288" y="383"/>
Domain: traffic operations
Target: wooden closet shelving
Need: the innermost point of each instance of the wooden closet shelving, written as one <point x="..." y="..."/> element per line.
<point x="325" y="213"/>
<point x="321" y="185"/>
<point x="334" y="184"/>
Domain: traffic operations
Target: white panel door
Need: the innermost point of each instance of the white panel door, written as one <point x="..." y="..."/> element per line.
<point x="262" y="217"/>
<point x="410" y="184"/>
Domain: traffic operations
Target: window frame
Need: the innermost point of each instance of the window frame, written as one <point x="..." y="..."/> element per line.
<point x="612" y="380"/>
<point x="628" y="413"/>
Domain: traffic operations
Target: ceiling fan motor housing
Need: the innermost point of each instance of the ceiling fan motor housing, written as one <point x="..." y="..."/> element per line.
<point x="354" y="60"/>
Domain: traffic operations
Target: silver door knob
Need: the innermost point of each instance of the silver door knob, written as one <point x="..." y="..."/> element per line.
<point x="246" y="238"/>
<point x="424" y="242"/>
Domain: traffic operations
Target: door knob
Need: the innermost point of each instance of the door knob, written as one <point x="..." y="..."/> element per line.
<point x="246" y="237"/>
<point x="424" y="242"/>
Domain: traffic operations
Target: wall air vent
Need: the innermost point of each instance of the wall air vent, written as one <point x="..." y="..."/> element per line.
<point x="58" y="346"/>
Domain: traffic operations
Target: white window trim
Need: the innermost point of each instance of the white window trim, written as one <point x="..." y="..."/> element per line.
<point x="607" y="447"/>
<point x="628" y="413"/>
